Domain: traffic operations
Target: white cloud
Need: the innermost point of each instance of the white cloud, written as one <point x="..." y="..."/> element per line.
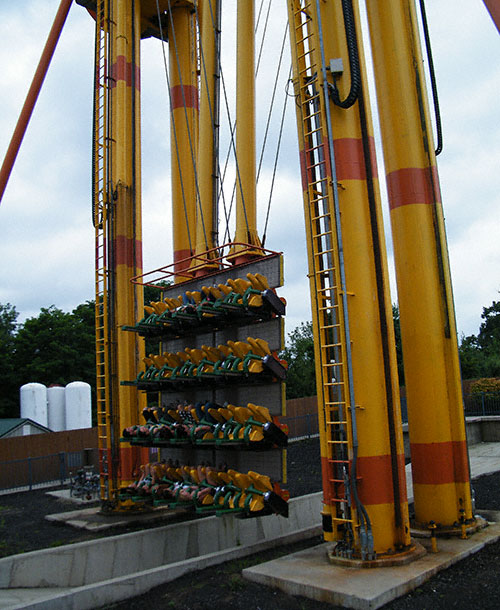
<point x="46" y="244"/>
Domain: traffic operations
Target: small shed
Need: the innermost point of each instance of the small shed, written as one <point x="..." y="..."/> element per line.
<point x="20" y="426"/>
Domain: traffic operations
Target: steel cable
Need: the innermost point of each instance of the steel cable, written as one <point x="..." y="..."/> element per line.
<point x="278" y="148"/>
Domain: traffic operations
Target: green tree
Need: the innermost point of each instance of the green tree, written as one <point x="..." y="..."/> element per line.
<point x="57" y="347"/>
<point x="399" y="346"/>
<point x="471" y="360"/>
<point x="83" y="321"/>
<point x="488" y="340"/>
<point x="9" y="400"/>
<point x="301" y="378"/>
<point x="480" y="356"/>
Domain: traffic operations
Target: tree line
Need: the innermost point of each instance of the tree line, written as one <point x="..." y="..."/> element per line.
<point x="54" y="347"/>
<point x="479" y="355"/>
<point x="59" y="347"/>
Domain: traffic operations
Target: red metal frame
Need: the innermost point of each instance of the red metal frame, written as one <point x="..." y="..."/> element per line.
<point x="211" y="262"/>
<point x="493" y="7"/>
<point x="32" y="96"/>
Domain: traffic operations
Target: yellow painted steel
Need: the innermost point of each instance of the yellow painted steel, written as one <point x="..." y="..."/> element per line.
<point x="206" y="230"/>
<point x="183" y="131"/>
<point x="374" y="371"/>
<point x="304" y="68"/>
<point x="433" y="387"/>
<point x="126" y="249"/>
<point x="246" y="211"/>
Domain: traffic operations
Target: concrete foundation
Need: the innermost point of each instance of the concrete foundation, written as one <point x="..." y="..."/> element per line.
<point x="91" y="574"/>
<point x="309" y="573"/>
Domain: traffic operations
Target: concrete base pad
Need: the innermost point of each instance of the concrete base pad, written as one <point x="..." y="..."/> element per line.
<point x="309" y="573"/>
<point x="65" y="495"/>
<point x="93" y="520"/>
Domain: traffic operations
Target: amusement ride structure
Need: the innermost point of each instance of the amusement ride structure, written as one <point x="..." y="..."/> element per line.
<point x="212" y="390"/>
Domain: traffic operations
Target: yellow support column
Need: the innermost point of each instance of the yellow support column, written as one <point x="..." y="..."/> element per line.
<point x="373" y="423"/>
<point x="126" y="234"/>
<point x="183" y="131"/>
<point x="246" y="210"/>
<point x="435" y="404"/>
<point x="382" y="485"/>
<point x="206" y="219"/>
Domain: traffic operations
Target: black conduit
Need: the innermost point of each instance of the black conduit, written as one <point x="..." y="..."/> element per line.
<point x="432" y="75"/>
<point x="352" y="49"/>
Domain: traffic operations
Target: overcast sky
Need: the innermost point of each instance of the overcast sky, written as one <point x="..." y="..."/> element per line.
<point x="46" y="240"/>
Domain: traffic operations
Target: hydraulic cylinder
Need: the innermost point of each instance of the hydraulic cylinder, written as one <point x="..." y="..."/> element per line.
<point x="433" y="385"/>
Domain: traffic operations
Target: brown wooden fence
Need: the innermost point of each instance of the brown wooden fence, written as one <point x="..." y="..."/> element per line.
<point x="38" y="445"/>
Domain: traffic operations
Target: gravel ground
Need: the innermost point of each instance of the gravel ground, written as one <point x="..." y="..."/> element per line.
<point x="472" y="583"/>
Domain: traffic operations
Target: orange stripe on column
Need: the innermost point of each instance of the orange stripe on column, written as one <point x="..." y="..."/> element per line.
<point x="326" y="473"/>
<point x="307" y="172"/>
<point x="180" y="262"/>
<point x="350" y="158"/>
<point x="121" y="70"/>
<point x="375" y="484"/>
<point x="130" y="458"/>
<point x="128" y="251"/>
<point x="184" y="94"/>
<point x="374" y="477"/>
<point x="413" y="185"/>
<point x="439" y="463"/>
<point x="304" y="174"/>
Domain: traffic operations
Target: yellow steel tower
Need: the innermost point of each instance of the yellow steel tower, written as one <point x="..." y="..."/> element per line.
<point x="246" y="211"/>
<point x="206" y="218"/>
<point x="433" y="385"/>
<point x="365" y="507"/>
<point x="117" y="209"/>
<point x="184" y="107"/>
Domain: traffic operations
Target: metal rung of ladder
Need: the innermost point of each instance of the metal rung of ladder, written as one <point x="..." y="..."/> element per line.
<point x="101" y="179"/>
<point x="326" y="282"/>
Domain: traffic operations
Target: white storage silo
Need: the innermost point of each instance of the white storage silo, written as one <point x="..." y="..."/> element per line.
<point x="34" y="402"/>
<point x="78" y="405"/>
<point x="56" y="408"/>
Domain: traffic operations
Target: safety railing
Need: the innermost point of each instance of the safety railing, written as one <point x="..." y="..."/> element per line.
<point x="482" y="404"/>
<point x="301" y="426"/>
<point x="33" y="472"/>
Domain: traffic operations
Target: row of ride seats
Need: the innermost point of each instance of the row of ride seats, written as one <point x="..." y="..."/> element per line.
<point x="236" y="357"/>
<point x="207" y="489"/>
<point x="250" y="294"/>
<point x="209" y="423"/>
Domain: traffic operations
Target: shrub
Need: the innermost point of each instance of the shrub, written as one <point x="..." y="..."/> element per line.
<point x="486" y="386"/>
